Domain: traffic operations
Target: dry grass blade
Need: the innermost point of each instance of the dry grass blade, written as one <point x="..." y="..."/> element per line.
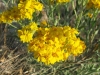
<point x="12" y="54"/>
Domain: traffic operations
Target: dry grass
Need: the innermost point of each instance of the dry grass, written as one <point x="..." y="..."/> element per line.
<point x="12" y="55"/>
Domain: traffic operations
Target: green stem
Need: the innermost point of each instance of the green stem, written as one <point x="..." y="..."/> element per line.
<point x="74" y="9"/>
<point x="12" y="26"/>
<point x="78" y="20"/>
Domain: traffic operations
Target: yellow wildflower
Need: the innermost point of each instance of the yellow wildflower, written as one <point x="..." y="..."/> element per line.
<point x="43" y="23"/>
<point x="93" y="4"/>
<point x="25" y="9"/>
<point x="58" y="1"/>
<point x="89" y="15"/>
<point x="55" y="44"/>
<point x="26" y="33"/>
<point x="61" y="1"/>
<point x="28" y="7"/>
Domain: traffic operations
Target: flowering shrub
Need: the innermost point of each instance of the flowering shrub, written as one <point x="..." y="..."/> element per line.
<point x="48" y="43"/>
<point x="62" y="37"/>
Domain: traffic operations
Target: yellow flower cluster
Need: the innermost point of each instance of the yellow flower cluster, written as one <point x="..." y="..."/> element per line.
<point x="93" y="4"/>
<point x="26" y="33"/>
<point x="25" y="9"/>
<point x="9" y="15"/>
<point x="59" y="1"/>
<point x="55" y="44"/>
<point x="90" y="15"/>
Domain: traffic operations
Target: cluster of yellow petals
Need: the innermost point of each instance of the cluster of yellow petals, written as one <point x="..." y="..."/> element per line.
<point x="25" y="9"/>
<point x="26" y="33"/>
<point x="59" y="1"/>
<point x="28" y="7"/>
<point x="93" y="4"/>
<point x="55" y="44"/>
<point x="90" y="15"/>
<point x="10" y="15"/>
